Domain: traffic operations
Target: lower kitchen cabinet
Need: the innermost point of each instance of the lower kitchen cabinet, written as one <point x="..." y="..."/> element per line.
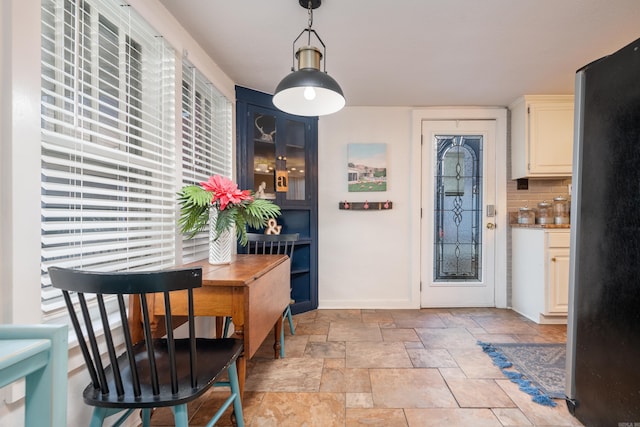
<point x="540" y="274"/>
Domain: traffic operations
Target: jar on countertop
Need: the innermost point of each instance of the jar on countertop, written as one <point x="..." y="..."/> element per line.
<point x="545" y="213"/>
<point x="526" y="216"/>
<point x="561" y="210"/>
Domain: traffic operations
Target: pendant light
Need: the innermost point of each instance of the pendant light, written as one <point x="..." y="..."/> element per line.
<point x="309" y="91"/>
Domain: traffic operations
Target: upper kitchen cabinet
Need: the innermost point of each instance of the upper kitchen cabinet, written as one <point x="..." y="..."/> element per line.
<point x="542" y="136"/>
<point x="277" y="157"/>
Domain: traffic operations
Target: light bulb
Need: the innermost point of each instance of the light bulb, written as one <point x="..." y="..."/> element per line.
<point x="309" y="93"/>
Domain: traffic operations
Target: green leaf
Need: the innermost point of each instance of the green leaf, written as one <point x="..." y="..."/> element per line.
<point x="255" y="215"/>
<point x="194" y="209"/>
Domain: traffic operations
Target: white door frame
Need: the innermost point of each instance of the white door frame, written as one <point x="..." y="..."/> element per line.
<point x="499" y="114"/>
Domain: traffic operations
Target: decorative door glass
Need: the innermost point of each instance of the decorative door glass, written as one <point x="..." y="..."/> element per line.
<point x="458" y="209"/>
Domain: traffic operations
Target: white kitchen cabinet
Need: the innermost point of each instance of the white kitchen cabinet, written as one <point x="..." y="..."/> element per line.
<point x="540" y="273"/>
<point x="542" y="136"/>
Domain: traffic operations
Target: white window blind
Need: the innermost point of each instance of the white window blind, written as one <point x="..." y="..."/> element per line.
<point x="206" y="142"/>
<point x="108" y="150"/>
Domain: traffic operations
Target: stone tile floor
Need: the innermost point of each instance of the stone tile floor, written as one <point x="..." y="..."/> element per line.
<point x="410" y="368"/>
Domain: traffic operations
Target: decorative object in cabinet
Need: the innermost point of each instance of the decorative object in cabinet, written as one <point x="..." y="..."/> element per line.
<point x="542" y="136"/>
<point x="277" y="157"/>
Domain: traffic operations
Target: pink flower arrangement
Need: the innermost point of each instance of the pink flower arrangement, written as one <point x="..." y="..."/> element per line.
<point x="234" y="207"/>
<point x="225" y="192"/>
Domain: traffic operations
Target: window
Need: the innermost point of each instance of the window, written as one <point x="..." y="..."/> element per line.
<point x="108" y="141"/>
<point x="206" y="142"/>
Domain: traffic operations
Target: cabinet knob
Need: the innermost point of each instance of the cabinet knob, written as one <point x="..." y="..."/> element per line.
<point x="553" y="259"/>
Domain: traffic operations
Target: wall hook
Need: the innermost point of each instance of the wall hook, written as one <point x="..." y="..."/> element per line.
<point x="361" y="206"/>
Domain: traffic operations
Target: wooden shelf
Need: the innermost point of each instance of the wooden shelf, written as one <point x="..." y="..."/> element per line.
<point x="365" y="206"/>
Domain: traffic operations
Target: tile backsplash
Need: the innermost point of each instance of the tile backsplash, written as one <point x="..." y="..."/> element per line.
<point x="539" y="190"/>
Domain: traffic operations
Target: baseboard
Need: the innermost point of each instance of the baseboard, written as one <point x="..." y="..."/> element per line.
<point x="553" y="319"/>
<point x="367" y="304"/>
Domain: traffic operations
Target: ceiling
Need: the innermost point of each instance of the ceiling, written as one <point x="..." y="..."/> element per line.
<point x="416" y="52"/>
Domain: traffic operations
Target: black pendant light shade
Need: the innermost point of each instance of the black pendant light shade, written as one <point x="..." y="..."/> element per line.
<point x="309" y="91"/>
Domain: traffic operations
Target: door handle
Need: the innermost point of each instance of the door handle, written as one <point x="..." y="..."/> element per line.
<point x="491" y="225"/>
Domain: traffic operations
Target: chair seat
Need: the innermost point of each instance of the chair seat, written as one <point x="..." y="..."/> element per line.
<point x="214" y="355"/>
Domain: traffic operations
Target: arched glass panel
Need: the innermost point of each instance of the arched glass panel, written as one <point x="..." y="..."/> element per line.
<point x="458" y="209"/>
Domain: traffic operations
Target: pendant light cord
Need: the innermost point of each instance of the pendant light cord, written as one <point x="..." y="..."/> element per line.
<point x="310" y="12"/>
<point x="308" y="30"/>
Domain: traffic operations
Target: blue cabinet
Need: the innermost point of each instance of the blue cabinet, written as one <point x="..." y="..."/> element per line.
<point x="277" y="157"/>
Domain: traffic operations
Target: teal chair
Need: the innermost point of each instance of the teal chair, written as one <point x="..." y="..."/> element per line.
<point x="39" y="354"/>
<point x="272" y="244"/>
<point x="156" y="372"/>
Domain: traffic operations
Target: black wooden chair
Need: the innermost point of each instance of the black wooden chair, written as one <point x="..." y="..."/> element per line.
<point x="156" y="372"/>
<point x="272" y="244"/>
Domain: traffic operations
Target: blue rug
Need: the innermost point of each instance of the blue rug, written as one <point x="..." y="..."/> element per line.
<point x="539" y="369"/>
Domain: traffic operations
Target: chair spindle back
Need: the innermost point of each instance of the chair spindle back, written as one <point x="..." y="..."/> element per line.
<point x="272" y="243"/>
<point x="141" y="285"/>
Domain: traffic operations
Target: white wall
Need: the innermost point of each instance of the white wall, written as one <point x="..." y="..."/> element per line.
<point x="371" y="259"/>
<point x="365" y="257"/>
<point x="20" y="178"/>
<point x="4" y="107"/>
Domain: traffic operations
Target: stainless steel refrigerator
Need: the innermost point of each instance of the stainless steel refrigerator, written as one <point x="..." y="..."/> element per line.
<point x="603" y="335"/>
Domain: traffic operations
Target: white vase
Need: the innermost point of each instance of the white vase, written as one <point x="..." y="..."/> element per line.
<point x="220" y="249"/>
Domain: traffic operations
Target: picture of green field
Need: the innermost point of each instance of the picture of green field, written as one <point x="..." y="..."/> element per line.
<point x="367" y="186"/>
<point x="367" y="167"/>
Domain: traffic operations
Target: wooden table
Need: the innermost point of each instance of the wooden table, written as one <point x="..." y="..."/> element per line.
<point x="253" y="290"/>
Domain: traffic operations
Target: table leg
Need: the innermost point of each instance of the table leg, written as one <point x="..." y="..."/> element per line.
<point x="242" y="360"/>
<point x="219" y="325"/>
<point x="277" y="331"/>
<point x="242" y="373"/>
<point x="135" y="319"/>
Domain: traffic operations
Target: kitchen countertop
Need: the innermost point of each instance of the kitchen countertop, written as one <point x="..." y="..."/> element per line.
<point x="544" y="226"/>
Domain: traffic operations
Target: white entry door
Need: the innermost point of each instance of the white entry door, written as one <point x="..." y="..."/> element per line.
<point x="458" y="208"/>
